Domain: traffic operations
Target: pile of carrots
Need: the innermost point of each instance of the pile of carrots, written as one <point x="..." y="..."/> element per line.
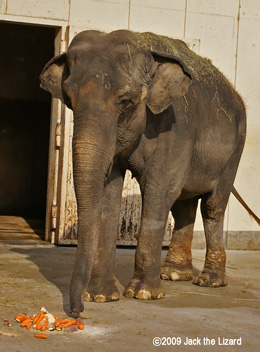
<point x="46" y="321"/>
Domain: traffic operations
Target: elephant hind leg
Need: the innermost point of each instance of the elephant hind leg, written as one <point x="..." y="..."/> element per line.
<point x="213" y="206"/>
<point x="212" y="209"/>
<point x="178" y="262"/>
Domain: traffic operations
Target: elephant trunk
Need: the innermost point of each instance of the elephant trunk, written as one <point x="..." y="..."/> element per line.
<point x="93" y="151"/>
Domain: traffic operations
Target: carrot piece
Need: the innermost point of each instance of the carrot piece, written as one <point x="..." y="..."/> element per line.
<point x="57" y="322"/>
<point x="18" y="317"/>
<point x="41" y="323"/>
<point x="36" y="318"/>
<point x="29" y="325"/>
<point x="21" y="318"/>
<point x="44" y="327"/>
<point x="69" y="323"/>
<point x="80" y="326"/>
<point x="41" y="336"/>
<point x="25" y="322"/>
<point x="64" y="321"/>
<point x="40" y="316"/>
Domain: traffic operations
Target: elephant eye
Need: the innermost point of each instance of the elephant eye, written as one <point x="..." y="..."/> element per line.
<point x="125" y="103"/>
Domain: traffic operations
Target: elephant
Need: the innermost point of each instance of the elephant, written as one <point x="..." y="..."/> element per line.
<point x="146" y="103"/>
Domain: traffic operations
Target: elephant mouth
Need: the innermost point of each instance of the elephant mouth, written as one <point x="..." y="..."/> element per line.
<point x="108" y="173"/>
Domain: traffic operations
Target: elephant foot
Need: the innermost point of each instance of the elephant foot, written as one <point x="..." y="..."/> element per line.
<point x="137" y="288"/>
<point x="214" y="278"/>
<point x="170" y="271"/>
<point x="107" y="293"/>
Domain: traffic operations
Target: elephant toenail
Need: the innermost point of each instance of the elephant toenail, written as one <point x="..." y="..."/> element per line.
<point x="129" y="293"/>
<point x="87" y="297"/>
<point x="115" y="297"/>
<point x="215" y="284"/>
<point x="175" y="276"/>
<point x="144" y="294"/>
<point x="161" y="295"/>
<point x="164" y="277"/>
<point x="99" y="299"/>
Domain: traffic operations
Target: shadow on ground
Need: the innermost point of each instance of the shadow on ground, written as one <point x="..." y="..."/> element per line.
<point x="55" y="264"/>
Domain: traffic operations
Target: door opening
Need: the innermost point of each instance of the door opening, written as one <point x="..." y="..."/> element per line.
<point x="24" y="128"/>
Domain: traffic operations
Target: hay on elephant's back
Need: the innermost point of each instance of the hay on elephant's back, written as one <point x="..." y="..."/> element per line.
<point x="200" y="68"/>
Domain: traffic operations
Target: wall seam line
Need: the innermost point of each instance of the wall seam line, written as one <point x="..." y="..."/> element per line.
<point x="236" y="57"/>
<point x="185" y="18"/>
<point x="129" y="14"/>
<point x="235" y="82"/>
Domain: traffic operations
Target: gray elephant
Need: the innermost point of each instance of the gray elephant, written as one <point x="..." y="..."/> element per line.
<point x="148" y="104"/>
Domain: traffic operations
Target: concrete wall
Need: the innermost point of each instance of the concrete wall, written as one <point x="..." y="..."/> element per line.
<point x="228" y="33"/>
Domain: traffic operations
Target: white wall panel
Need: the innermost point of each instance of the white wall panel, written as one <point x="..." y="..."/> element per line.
<point x="217" y="34"/>
<point x="214" y="7"/>
<point x="247" y="184"/>
<point x="102" y="15"/>
<point x="250" y="9"/>
<point x="3" y="6"/>
<point x="248" y="85"/>
<point x="248" y="72"/>
<point x="57" y="9"/>
<point x="162" y="17"/>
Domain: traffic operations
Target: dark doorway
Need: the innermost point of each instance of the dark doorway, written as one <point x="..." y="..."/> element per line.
<point x="24" y="119"/>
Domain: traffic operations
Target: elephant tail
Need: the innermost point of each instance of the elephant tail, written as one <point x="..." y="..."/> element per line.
<point x="241" y="201"/>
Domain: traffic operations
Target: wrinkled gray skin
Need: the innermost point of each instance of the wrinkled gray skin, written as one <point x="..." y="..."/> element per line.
<point x="179" y="130"/>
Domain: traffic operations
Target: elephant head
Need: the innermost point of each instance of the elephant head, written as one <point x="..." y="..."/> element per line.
<point x="108" y="81"/>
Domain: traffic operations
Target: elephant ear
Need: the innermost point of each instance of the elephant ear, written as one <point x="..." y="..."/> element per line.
<point x="53" y="74"/>
<point x="171" y="79"/>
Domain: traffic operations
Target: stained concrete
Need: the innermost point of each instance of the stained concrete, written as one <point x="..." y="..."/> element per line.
<point x="36" y="275"/>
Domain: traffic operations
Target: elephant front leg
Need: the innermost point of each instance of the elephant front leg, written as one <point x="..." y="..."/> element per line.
<point x="102" y="287"/>
<point x="146" y="283"/>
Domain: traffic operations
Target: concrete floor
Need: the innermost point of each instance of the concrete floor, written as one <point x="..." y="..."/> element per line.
<point x="36" y="274"/>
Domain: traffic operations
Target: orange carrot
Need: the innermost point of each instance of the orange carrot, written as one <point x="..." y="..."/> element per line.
<point x="40" y="316"/>
<point x="64" y="321"/>
<point x="80" y="326"/>
<point x="69" y="323"/>
<point x="41" y="323"/>
<point x="29" y="325"/>
<point x="57" y="322"/>
<point x="25" y="322"/>
<point x="44" y="327"/>
<point x="18" y="317"/>
<point x="36" y="318"/>
<point x="41" y="336"/>
<point x="21" y="318"/>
